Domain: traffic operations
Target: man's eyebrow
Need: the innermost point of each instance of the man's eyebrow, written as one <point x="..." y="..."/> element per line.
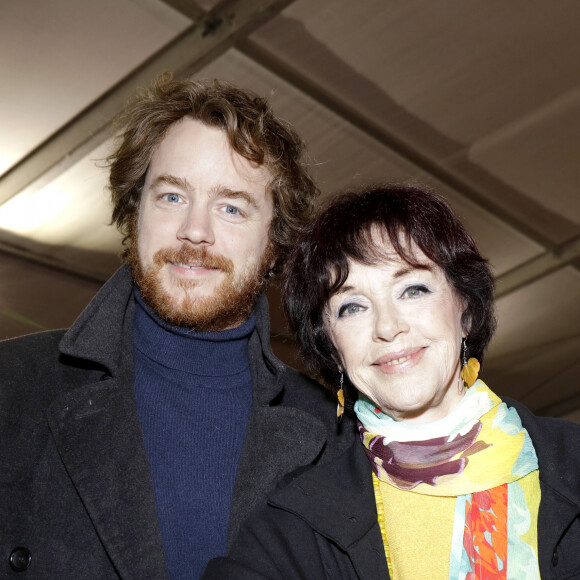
<point x="167" y="179"/>
<point x="234" y="194"/>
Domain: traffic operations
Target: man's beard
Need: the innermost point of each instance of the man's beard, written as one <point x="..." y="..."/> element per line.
<point x="230" y="303"/>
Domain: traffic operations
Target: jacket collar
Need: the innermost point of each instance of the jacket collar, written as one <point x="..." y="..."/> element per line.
<point x="558" y="467"/>
<point x="102" y="334"/>
<point x="102" y="331"/>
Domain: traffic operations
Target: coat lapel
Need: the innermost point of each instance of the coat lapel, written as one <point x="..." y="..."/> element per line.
<point x="97" y="433"/>
<point x="279" y="439"/>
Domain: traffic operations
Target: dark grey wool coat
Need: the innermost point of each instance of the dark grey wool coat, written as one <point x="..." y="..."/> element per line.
<point x="76" y="496"/>
<point x="323" y="523"/>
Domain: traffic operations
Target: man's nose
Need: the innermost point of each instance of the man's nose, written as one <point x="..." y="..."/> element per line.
<point x="197" y="227"/>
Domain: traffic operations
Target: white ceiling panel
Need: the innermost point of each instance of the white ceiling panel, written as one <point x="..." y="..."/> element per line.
<point x="540" y="156"/>
<point x="344" y="157"/>
<point x="58" y="56"/>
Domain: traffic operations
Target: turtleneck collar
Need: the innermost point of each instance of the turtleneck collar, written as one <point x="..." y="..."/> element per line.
<point x="209" y="354"/>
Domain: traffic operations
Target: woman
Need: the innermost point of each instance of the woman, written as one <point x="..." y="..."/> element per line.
<point x="392" y="305"/>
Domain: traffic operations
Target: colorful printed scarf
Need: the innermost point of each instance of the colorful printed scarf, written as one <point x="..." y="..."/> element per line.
<point x="479" y="453"/>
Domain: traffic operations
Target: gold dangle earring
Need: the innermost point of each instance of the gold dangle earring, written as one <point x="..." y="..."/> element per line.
<point x="340" y="396"/>
<point x="470" y="368"/>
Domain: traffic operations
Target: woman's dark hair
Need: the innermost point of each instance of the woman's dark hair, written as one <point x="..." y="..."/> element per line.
<point x="252" y="130"/>
<point x="317" y="266"/>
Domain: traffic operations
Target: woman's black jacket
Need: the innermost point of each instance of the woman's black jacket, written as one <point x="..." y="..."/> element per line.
<point x="323" y="522"/>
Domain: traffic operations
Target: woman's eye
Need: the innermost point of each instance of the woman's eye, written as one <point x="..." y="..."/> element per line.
<point x="172" y="197"/>
<point x="349" y="309"/>
<point x="415" y="291"/>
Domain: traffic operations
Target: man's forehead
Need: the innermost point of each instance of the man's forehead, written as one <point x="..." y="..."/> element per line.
<point x="188" y="143"/>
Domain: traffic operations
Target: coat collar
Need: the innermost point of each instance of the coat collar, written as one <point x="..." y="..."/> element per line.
<point x="97" y="433"/>
<point x="553" y="441"/>
<point x="100" y="334"/>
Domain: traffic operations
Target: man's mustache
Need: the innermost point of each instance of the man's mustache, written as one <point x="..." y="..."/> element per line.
<point x="187" y="255"/>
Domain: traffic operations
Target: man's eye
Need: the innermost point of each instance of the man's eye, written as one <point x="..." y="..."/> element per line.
<point x="230" y="209"/>
<point x="172" y="197"/>
<point x="415" y="291"/>
<point x="349" y="309"/>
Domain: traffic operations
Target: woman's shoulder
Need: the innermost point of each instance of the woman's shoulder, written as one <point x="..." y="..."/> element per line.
<point x="546" y="430"/>
<point x="556" y="442"/>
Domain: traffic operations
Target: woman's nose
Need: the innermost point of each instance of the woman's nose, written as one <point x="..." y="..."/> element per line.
<point x="388" y="323"/>
<point x="196" y="227"/>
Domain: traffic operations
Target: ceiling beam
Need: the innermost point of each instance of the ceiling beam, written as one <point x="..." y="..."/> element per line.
<point x="211" y="35"/>
<point x="75" y="271"/>
<point x="369" y="126"/>
<point x="538" y="267"/>
<point x="187" y="7"/>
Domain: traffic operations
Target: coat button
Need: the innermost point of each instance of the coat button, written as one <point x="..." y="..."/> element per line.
<point x="20" y="559"/>
<point x="555" y="558"/>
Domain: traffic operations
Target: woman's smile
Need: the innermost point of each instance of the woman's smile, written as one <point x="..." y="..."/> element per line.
<point x="399" y="362"/>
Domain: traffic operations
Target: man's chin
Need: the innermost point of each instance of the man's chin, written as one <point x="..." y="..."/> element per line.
<point x="191" y="299"/>
<point x="180" y="288"/>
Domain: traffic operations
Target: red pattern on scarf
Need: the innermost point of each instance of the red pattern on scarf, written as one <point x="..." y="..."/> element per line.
<point x="487" y="512"/>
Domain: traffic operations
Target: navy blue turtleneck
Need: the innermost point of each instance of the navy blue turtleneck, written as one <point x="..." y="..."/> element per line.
<point x="194" y="396"/>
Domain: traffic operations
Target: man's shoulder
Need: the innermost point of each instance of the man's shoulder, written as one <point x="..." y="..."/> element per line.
<point x="307" y="394"/>
<point x="34" y="371"/>
<point x="300" y="390"/>
<point x="25" y="352"/>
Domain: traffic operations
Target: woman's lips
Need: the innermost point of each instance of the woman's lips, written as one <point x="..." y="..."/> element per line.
<point x="401" y="361"/>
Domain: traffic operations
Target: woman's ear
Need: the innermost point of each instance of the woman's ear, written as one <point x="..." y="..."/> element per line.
<point x="465" y="321"/>
<point x="337" y="360"/>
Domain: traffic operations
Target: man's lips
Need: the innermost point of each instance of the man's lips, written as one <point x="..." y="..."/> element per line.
<point x="398" y="361"/>
<point x="192" y="269"/>
<point x="188" y="261"/>
<point x="195" y="266"/>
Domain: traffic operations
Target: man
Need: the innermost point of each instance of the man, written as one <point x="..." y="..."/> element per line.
<point x="134" y="444"/>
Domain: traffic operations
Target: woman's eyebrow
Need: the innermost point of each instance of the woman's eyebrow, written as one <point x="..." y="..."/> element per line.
<point x="410" y="269"/>
<point x="342" y="290"/>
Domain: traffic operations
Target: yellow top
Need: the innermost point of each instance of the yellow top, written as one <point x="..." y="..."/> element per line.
<point x="419" y="529"/>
